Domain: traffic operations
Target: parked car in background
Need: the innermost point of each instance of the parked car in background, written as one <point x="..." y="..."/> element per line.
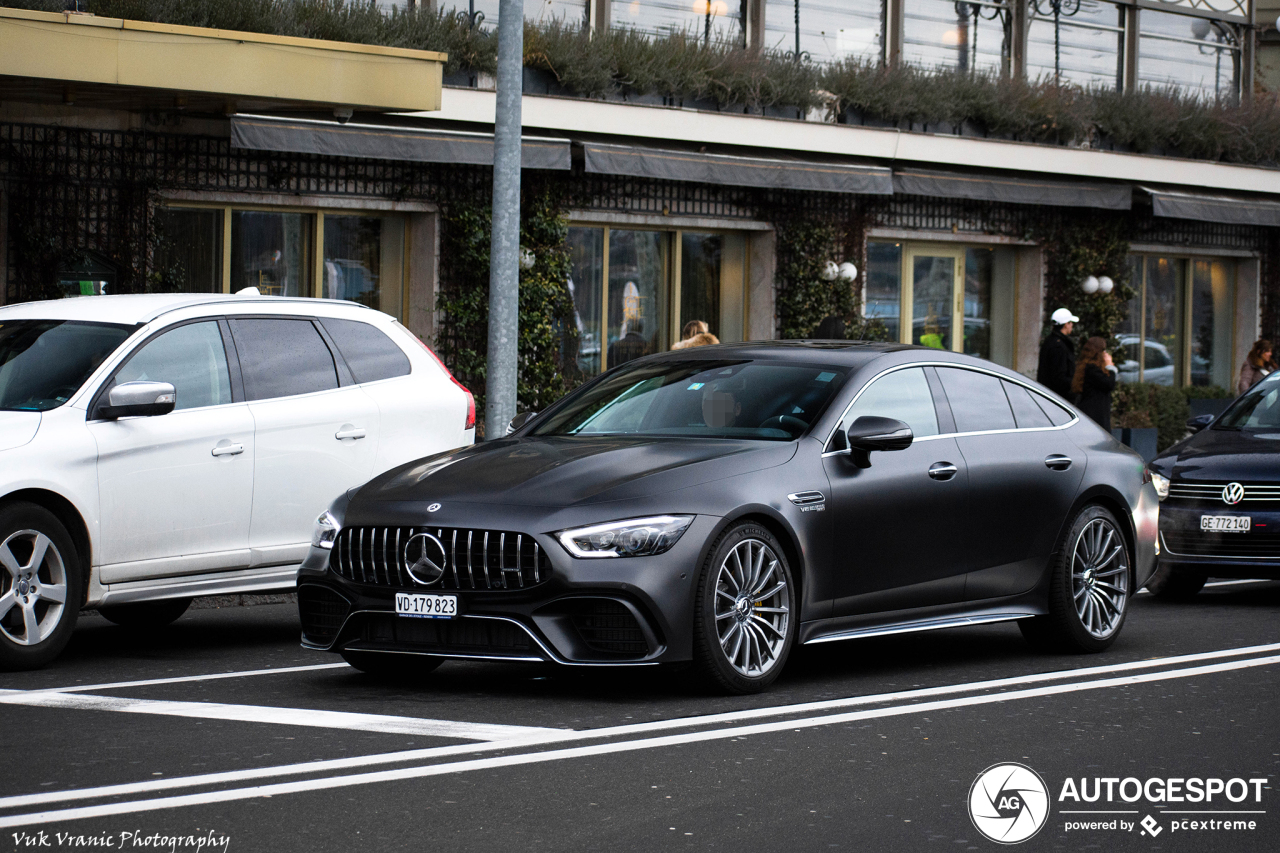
<point x="722" y="504"/>
<point x="1220" y="494"/>
<point x="154" y="448"/>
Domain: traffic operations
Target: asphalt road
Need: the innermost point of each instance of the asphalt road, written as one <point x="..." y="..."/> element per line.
<point x="220" y="729"/>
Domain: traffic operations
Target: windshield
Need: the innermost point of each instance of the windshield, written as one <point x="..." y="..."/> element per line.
<point x="44" y="362"/>
<point x="1257" y="408"/>
<point x="701" y="399"/>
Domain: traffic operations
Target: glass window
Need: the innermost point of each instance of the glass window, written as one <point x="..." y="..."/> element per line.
<point x="1196" y="55"/>
<point x="369" y="353"/>
<point x="964" y="36"/>
<point x="904" y="395"/>
<point x="978" y="266"/>
<point x="978" y="403"/>
<point x="700" y="261"/>
<point x="1057" y="413"/>
<point x="1257" y="408"/>
<point x="1212" y="312"/>
<point x="637" y="294"/>
<point x="281" y="358"/>
<point x="44" y="362"/>
<point x="191" y="358"/>
<point x="883" y="297"/>
<point x="1163" y="320"/>
<point x="829" y="30"/>
<point x="707" y="20"/>
<point x="932" y="294"/>
<point x="189" y="256"/>
<point x="272" y="252"/>
<point x="543" y="11"/>
<point x="586" y="278"/>
<point x="363" y="257"/>
<point x="1026" y="411"/>
<point x="1083" y="45"/>
<point x="700" y="399"/>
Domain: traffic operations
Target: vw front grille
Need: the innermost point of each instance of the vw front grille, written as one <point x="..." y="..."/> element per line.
<point x="1239" y="546"/>
<point x="475" y="559"/>
<point x="1212" y="493"/>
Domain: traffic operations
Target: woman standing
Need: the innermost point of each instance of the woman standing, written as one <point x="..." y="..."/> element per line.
<point x="1255" y="367"/>
<point x="1094" y="381"/>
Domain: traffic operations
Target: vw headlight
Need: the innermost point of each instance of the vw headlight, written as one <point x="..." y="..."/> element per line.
<point x="1162" y="485"/>
<point x="635" y="537"/>
<point x="326" y="532"/>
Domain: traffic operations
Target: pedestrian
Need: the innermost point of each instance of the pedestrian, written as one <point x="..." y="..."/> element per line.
<point x="1057" y="368"/>
<point x="696" y="333"/>
<point x="1256" y="366"/>
<point x="1094" y="380"/>
<point x="632" y="344"/>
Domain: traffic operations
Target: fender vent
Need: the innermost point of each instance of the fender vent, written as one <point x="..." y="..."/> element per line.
<point x="807" y="498"/>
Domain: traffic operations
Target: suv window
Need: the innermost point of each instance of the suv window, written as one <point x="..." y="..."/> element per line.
<point x="44" y="362"/>
<point x="369" y="353"/>
<point x="904" y="395"/>
<point x="282" y="358"/>
<point x="191" y="358"/>
<point x="978" y="403"/>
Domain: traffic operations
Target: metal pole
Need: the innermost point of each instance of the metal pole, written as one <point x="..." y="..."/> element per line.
<point x="504" y="248"/>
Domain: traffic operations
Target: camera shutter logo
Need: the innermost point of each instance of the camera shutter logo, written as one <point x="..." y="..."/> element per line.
<point x="1008" y="803"/>
<point x="1232" y="493"/>
<point x="425" y="558"/>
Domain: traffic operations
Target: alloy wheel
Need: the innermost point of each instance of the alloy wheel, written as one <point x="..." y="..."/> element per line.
<point x="1100" y="578"/>
<point x="752" y="608"/>
<point x="33" y="587"/>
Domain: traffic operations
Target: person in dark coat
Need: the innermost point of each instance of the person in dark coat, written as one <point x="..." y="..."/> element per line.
<point x="1057" y="355"/>
<point x="1094" y="381"/>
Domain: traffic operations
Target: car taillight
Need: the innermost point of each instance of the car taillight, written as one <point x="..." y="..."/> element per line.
<point x="471" y="401"/>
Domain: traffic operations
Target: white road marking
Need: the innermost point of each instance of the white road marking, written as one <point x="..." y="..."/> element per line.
<point x="283" y="716"/>
<point x="179" y="679"/>
<point x="405" y="773"/>
<point x="561" y="735"/>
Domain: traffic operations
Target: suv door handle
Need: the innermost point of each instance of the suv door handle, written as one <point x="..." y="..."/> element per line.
<point x="349" y="431"/>
<point x="226" y="448"/>
<point x="1057" y="462"/>
<point x="942" y="470"/>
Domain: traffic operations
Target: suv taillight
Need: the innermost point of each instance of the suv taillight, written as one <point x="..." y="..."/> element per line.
<point x="471" y="401"/>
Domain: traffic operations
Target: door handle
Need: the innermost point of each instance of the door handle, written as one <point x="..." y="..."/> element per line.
<point x="942" y="470"/>
<point x="226" y="448"/>
<point x="1057" y="462"/>
<point x="348" y="431"/>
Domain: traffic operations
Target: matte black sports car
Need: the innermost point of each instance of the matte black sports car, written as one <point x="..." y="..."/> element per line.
<point x="1220" y="496"/>
<point x="723" y="504"/>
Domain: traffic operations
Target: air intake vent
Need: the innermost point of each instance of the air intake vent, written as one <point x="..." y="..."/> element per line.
<point x="608" y="626"/>
<point x="322" y="612"/>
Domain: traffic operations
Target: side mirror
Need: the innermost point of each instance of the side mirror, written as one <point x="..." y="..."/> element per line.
<point x="520" y="420"/>
<point x="1199" y="422"/>
<point x="871" y="432"/>
<point x="139" y="399"/>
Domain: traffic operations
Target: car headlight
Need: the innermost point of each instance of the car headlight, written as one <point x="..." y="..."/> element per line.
<point x="1162" y="485"/>
<point x="635" y="537"/>
<point x="326" y="532"/>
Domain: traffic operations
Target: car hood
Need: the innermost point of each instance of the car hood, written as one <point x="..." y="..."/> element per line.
<point x="17" y="428"/>
<point x="567" y="470"/>
<point x="1219" y="455"/>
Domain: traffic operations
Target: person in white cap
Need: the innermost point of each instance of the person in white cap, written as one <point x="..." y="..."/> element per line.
<point x="1058" y="355"/>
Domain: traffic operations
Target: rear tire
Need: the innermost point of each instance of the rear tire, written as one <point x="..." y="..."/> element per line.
<point x="41" y="586"/>
<point x="1177" y="584"/>
<point x="391" y="666"/>
<point x="146" y="614"/>
<point x="1088" y="590"/>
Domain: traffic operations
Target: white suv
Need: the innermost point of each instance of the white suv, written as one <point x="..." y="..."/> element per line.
<point x="154" y="448"/>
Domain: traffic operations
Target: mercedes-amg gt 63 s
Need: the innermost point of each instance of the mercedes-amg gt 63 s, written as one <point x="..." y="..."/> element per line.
<point x="723" y="504"/>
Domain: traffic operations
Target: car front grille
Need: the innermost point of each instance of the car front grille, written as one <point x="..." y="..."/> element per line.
<point x="1211" y="493"/>
<point x="1230" y="545"/>
<point x="322" y="612"/>
<point x="475" y="559"/>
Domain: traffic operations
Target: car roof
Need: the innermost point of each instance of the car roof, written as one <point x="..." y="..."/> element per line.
<point x="135" y="309"/>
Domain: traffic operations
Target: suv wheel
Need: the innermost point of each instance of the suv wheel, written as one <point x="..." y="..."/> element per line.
<point x="40" y="586"/>
<point x="146" y="614"/>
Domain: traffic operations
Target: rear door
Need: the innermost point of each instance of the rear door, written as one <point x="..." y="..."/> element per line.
<point x="316" y="431"/>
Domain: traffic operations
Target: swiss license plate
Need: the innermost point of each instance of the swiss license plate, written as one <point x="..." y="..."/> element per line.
<point x="1225" y="523"/>
<point x="426" y="606"/>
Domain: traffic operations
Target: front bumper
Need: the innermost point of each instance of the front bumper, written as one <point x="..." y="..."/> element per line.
<point x="1255" y="554"/>
<point x="594" y="612"/>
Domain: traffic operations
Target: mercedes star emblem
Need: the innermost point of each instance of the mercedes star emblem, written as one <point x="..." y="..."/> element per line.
<point x="1232" y="493"/>
<point x="425" y="558"/>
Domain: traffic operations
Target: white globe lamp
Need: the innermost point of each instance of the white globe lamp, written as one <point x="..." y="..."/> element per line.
<point x="1090" y="285"/>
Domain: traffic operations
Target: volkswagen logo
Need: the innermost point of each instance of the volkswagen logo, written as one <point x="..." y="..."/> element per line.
<point x="425" y="558"/>
<point x="1232" y="493"/>
<point x="1008" y="803"/>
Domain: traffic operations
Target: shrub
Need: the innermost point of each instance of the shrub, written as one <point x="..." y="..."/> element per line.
<point x="1143" y="404"/>
<point x="805" y="298"/>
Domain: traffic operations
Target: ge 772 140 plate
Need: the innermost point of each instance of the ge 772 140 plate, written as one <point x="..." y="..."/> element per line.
<point x="1225" y="523"/>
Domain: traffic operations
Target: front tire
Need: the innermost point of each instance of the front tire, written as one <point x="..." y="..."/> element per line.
<point x="744" y="615"/>
<point x="1089" y="588"/>
<point x="146" y="614"/>
<point x="41" y="586"/>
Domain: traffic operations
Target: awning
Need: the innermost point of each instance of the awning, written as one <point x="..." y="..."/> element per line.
<point x="737" y="171"/>
<point x="1014" y="190"/>
<point x="1208" y="208"/>
<point x="379" y="142"/>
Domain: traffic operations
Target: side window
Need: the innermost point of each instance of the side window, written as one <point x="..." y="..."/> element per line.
<point x="369" y="353"/>
<point x="1053" y="411"/>
<point x="977" y="401"/>
<point x="282" y="358"/>
<point x="1025" y="410"/>
<point x="904" y="395"/>
<point x="191" y="358"/>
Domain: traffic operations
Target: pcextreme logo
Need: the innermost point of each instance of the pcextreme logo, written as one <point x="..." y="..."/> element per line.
<point x="1008" y="803"/>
